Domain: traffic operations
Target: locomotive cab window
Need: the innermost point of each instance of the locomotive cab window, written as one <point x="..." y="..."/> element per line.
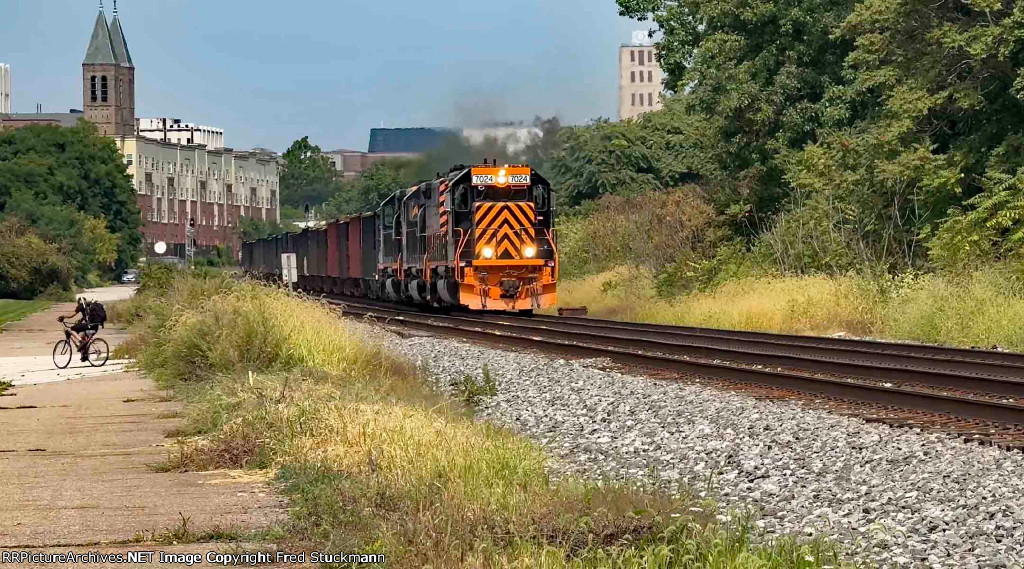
<point x="461" y="198"/>
<point x="542" y="197"/>
<point x="388" y="215"/>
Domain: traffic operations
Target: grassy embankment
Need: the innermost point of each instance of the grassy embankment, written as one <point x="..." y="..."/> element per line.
<point x="14" y="310"/>
<point x="374" y="461"/>
<point x="984" y="308"/>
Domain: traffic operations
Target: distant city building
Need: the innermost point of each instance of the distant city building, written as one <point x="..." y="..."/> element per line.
<point x="176" y="185"/>
<point x="179" y="184"/>
<point x="5" y="88"/>
<point x="639" y="78"/>
<point x="182" y="174"/>
<point x="350" y="163"/>
<point x="407" y="140"/>
<point x="178" y="132"/>
<point x="386" y="143"/>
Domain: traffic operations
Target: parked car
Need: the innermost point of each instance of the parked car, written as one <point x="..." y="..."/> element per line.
<point x="131" y="276"/>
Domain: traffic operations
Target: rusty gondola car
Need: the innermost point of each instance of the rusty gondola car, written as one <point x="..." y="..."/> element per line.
<point x="481" y="237"/>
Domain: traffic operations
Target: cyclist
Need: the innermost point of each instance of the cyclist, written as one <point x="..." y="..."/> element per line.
<point x="79" y="328"/>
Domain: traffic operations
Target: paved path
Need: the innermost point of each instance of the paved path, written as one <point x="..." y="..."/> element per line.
<point x="36" y="334"/>
<point x="77" y="455"/>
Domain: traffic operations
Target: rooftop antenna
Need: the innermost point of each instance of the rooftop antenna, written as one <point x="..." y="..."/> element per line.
<point x="115" y="8"/>
<point x="101" y="5"/>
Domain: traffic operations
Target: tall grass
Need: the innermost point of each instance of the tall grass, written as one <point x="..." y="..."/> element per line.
<point x="374" y="461"/>
<point x="983" y="308"/>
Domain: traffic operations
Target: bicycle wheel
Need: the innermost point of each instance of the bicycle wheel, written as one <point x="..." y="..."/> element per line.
<point x="98" y="352"/>
<point x="62" y="353"/>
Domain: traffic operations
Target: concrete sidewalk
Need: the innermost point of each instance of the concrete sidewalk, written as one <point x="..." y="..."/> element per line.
<point x="77" y="457"/>
<point x="36" y="334"/>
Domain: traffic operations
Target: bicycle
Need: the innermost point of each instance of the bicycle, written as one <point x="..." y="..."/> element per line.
<point x="97" y="350"/>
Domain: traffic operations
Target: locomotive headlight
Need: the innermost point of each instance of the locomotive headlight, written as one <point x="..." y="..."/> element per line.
<point x="530" y="251"/>
<point x="502" y="177"/>
<point x="487" y="252"/>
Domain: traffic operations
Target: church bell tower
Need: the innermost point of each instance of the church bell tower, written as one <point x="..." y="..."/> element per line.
<point x="108" y="78"/>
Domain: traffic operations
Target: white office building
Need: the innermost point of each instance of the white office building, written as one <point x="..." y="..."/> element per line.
<point x="178" y="132"/>
<point x="5" y="88"/>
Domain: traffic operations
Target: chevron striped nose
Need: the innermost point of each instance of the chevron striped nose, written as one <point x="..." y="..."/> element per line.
<point x="505" y="228"/>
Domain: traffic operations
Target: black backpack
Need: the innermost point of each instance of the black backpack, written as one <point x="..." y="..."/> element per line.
<point x="96" y="313"/>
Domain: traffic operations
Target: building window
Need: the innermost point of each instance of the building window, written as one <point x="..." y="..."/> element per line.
<point x="634" y="99"/>
<point x="650" y="77"/>
<point x="641" y="76"/>
<point x="103" y="89"/>
<point x="632" y="76"/>
<point x="641" y="99"/>
<point x="632" y="56"/>
<point x="650" y="56"/>
<point x="92" y="88"/>
<point x="650" y="99"/>
<point x="128" y="159"/>
<point x="641" y="58"/>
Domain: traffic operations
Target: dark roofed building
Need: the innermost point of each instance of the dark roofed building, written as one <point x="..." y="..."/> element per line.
<point x="18" y="120"/>
<point x="407" y="140"/>
<point x="350" y="163"/>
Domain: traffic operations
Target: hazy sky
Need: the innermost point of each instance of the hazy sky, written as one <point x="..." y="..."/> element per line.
<point x="270" y="72"/>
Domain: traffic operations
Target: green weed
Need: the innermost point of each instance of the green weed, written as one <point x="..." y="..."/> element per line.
<point x="471" y="391"/>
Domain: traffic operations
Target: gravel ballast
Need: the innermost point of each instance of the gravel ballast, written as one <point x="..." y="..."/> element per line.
<point x="894" y="496"/>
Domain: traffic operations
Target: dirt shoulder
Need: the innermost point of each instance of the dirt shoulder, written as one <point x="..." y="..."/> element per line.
<point x="77" y="457"/>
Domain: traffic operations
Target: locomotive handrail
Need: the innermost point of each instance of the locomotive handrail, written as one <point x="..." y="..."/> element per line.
<point x="458" y="253"/>
<point x="554" y="249"/>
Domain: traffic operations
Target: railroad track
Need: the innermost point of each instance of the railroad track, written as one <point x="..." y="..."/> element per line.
<point x="980" y="388"/>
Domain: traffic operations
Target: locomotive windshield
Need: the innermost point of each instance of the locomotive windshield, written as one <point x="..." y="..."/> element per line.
<point x="507" y="194"/>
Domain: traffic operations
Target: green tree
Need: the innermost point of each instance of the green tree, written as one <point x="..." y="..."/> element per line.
<point x="943" y="87"/>
<point x="604" y="158"/>
<point x="759" y="75"/>
<point x="373" y="185"/>
<point x="74" y="169"/>
<point x="29" y="265"/>
<point x="83" y="239"/>
<point x="308" y="177"/>
<point x="251" y="229"/>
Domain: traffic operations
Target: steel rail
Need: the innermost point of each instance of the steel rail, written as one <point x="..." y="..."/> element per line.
<point x="589" y="344"/>
<point x="939" y="353"/>
<point x="997" y="378"/>
<point x="1005" y="380"/>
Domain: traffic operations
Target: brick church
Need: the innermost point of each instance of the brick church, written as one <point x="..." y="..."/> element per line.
<point x="177" y="185"/>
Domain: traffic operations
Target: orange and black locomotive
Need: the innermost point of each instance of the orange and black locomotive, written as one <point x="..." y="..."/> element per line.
<point x="481" y="237"/>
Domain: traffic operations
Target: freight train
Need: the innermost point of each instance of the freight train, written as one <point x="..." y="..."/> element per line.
<point x="481" y="238"/>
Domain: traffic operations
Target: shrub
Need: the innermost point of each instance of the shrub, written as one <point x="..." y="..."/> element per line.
<point x="651" y="231"/>
<point x="30" y="266"/>
<point x="154" y="277"/>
